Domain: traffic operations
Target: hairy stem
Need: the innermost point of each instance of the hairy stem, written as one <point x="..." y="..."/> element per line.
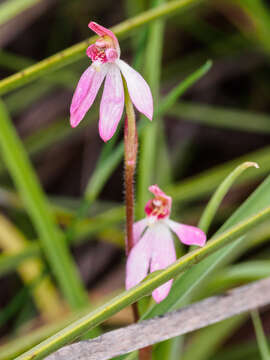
<point x="130" y="139"/>
<point x="131" y="145"/>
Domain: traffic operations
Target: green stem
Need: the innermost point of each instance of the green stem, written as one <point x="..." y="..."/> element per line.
<point x="77" y="51"/>
<point x="34" y="199"/>
<point x="149" y="137"/>
<point x="261" y="339"/>
<point x="127" y="298"/>
<point x="10" y="9"/>
<point x="45" y="294"/>
<point x="216" y="199"/>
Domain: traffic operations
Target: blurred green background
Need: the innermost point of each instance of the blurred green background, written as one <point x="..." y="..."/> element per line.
<point x="208" y="67"/>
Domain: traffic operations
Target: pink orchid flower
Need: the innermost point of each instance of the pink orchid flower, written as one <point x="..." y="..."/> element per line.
<point x="153" y="242"/>
<point x="105" y="55"/>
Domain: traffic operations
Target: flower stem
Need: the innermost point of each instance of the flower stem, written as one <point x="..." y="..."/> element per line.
<point x="131" y="146"/>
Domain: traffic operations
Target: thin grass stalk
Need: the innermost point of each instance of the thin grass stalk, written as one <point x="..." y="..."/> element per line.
<point x="149" y="137"/>
<point x="45" y="294"/>
<point x="260" y="335"/>
<point x="72" y="54"/>
<point x="76" y="329"/>
<point x="36" y="202"/>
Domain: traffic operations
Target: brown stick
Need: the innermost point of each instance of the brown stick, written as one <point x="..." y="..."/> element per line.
<point x="185" y="320"/>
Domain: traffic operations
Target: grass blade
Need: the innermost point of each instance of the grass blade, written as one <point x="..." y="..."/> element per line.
<point x="192" y="279"/>
<point x="148" y="139"/>
<point x="44" y="294"/>
<point x="11" y="8"/>
<point x="154" y="280"/>
<point x="179" y="90"/>
<point x="205" y="342"/>
<point x="198" y="186"/>
<point x="77" y="51"/>
<point x="51" y="238"/>
<point x="261" y="339"/>
<point x="219" y="194"/>
<point x="10" y="262"/>
<point x="221" y="117"/>
<point x="185" y="286"/>
<point x="234" y="275"/>
<point x="193" y="188"/>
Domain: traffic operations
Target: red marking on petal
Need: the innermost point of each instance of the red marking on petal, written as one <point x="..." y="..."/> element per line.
<point x="160" y="206"/>
<point x="96" y="54"/>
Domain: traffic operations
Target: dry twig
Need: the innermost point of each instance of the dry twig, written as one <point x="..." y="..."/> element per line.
<point x="185" y="320"/>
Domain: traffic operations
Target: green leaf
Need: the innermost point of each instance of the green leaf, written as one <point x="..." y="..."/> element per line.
<point x="238" y="274"/>
<point x="16" y="346"/>
<point x="259" y="13"/>
<point x="51" y="237"/>
<point x="11" y="8"/>
<point x="196" y="187"/>
<point x="220" y="193"/>
<point x="213" y="205"/>
<point x="77" y="51"/>
<point x="10" y="262"/>
<point x="149" y="137"/>
<point x="128" y="297"/>
<point x="181" y="88"/>
<point x="261" y="339"/>
<point x="185" y="285"/>
<point x="206" y="341"/>
<point x="221" y="117"/>
<point x="189" y="282"/>
<point x="83" y="229"/>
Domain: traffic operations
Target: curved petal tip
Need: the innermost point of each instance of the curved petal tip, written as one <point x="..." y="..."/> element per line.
<point x="160" y="293"/>
<point x="102" y="31"/>
<point x="73" y="124"/>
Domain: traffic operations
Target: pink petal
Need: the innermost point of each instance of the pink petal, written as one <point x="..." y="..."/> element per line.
<point x="138" y="261"/>
<point x="188" y="235"/>
<point x="163" y="254"/>
<point x="138" y="229"/>
<point x="155" y="189"/>
<point x="112" y="103"/>
<point x="86" y="92"/>
<point x="138" y="89"/>
<point x="102" y="31"/>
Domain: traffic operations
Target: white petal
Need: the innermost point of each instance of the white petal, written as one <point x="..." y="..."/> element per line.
<point x="138" y="229"/>
<point x="138" y="261"/>
<point x="163" y="254"/>
<point x="112" y="103"/>
<point x="138" y="89"/>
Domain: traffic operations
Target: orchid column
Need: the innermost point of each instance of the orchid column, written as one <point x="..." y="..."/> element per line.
<point x="123" y="85"/>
